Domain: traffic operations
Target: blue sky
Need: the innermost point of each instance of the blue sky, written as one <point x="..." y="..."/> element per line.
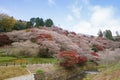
<point x="81" y="16"/>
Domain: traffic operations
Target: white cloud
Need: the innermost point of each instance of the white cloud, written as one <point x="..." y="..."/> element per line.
<point x="82" y="27"/>
<point x="101" y="15"/>
<point x="76" y="11"/>
<point x="99" y="18"/>
<point x="51" y="2"/>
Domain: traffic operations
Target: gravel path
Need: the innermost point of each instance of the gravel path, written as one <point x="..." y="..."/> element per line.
<point x="25" y="77"/>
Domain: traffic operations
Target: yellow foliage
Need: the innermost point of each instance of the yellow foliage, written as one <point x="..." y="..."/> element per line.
<point x="7" y="23"/>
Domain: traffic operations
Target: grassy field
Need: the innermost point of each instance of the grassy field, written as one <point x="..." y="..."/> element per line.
<point x="12" y="71"/>
<point x="12" y="60"/>
<point x="7" y="59"/>
<point x="107" y="72"/>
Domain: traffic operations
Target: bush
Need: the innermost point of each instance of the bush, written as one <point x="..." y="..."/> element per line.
<point x="23" y="66"/>
<point x="4" y="40"/>
<point x="82" y="59"/>
<point x="39" y="71"/>
<point x="44" y="52"/>
<point x="97" y="48"/>
<point x="43" y="37"/>
<point x="67" y="58"/>
<point x="95" y="55"/>
<point x="94" y="49"/>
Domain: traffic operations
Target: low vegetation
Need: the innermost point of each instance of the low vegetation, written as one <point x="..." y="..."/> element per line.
<point x="107" y="72"/>
<point x="13" y="60"/>
<point x="7" y="59"/>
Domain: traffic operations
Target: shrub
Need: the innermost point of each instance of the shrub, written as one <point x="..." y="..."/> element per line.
<point x="4" y="40"/>
<point x="39" y="71"/>
<point x="44" y="52"/>
<point x="23" y="66"/>
<point x="99" y="47"/>
<point x="95" y="55"/>
<point x="43" y="37"/>
<point x="82" y="59"/>
<point x="94" y="49"/>
<point x="67" y="58"/>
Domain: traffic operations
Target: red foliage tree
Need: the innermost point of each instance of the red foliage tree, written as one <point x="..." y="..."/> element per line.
<point x="4" y="40"/>
<point x="43" y="37"/>
<point x="67" y="58"/>
<point x="95" y="55"/>
<point x="82" y="59"/>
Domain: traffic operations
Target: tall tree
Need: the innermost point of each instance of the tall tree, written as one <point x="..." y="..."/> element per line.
<point x="33" y="21"/>
<point x="48" y="23"/>
<point x="7" y="22"/>
<point x="20" y="25"/>
<point x="29" y="24"/>
<point x="41" y="22"/>
<point x="108" y="35"/>
<point x="100" y="34"/>
<point x="37" y="22"/>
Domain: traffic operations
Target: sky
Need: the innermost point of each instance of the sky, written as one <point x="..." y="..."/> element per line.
<point x="80" y="16"/>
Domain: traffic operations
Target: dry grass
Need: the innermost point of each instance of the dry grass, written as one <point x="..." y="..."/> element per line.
<point x="111" y="72"/>
<point x="12" y="71"/>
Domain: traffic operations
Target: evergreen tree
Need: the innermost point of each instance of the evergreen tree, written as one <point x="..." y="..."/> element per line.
<point x="48" y="23"/>
<point x="108" y="35"/>
<point x="29" y="24"/>
<point x="20" y="25"/>
<point x="33" y="21"/>
<point x="100" y="34"/>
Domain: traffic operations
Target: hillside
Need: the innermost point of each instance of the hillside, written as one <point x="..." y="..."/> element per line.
<point x="50" y="41"/>
<point x="53" y="40"/>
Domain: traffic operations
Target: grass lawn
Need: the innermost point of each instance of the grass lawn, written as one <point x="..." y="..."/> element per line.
<point x="15" y="60"/>
<point x="12" y="71"/>
<point x="7" y="59"/>
<point x="41" y="60"/>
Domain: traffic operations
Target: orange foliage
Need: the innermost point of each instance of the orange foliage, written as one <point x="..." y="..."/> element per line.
<point x="20" y="61"/>
<point x="45" y="36"/>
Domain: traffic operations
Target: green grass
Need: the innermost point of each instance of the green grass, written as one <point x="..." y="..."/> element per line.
<point x="39" y="71"/>
<point x="7" y="59"/>
<point x="15" y="60"/>
<point x="41" y="60"/>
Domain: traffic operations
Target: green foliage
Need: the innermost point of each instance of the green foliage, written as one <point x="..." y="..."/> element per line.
<point x="8" y="23"/>
<point x="20" y="25"/>
<point x="39" y="71"/>
<point x="29" y="24"/>
<point x="48" y="23"/>
<point x="39" y="22"/>
<point x="33" y="20"/>
<point x="108" y="35"/>
<point x="94" y="49"/>
<point x="23" y="66"/>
